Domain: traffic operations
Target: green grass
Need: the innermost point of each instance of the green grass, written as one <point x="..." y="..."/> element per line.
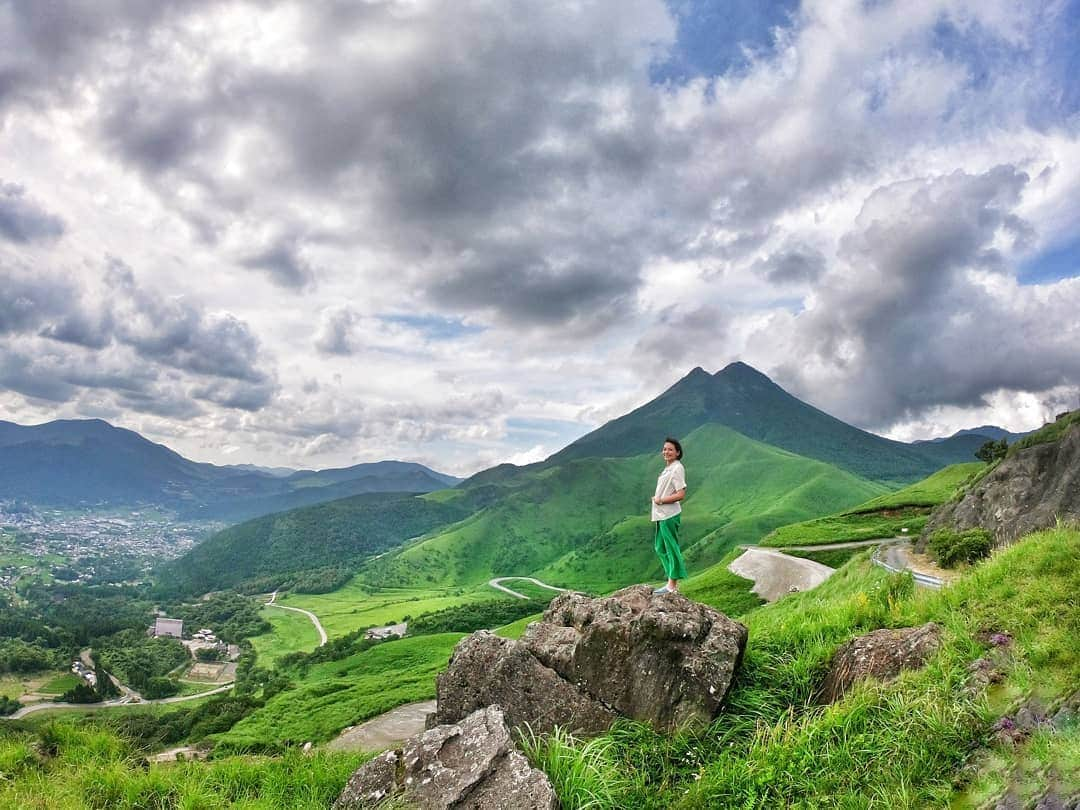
<point x="931" y="491"/>
<point x="337" y="694"/>
<point x="1047" y="433"/>
<point x="884" y="516"/>
<point x="95" y="768"/>
<point x="832" y="557"/>
<point x="848" y="528"/>
<point x="290" y="632"/>
<point x="60" y="684"/>
<point x="516" y="629"/>
<point x="359" y="605"/>
<point x="718" y="587"/>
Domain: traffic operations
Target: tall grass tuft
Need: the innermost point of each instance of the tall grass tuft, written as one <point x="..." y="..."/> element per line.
<point x="585" y="776"/>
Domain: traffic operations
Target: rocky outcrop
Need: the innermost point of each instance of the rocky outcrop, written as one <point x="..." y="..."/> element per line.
<point x="664" y="659"/>
<point x="1030" y="490"/>
<point x="471" y="765"/>
<point x="488" y="670"/>
<point x="881" y="654"/>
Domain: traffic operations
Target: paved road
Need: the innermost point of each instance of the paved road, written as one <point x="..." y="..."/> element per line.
<point x="496" y="583"/>
<point x="308" y="613"/>
<point x="848" y="544"/>
<point x="776" y="574"/>
<point x="896" y="558"/>
<point x="109" y="704"/>
<point x="892" y="554"/>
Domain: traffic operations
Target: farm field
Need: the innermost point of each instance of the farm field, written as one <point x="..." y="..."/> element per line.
<point x="15" y="685"/>
<point x="357" y="605"/>
<point x="290" y="632"/>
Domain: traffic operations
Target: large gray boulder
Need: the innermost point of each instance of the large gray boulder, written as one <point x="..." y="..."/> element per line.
<point x="488" y="670"/>
<point x="1030" y="490"/>
<point x="665" y="660"/>
<point x="471" y="765"/>
<point x="882" y="655"/>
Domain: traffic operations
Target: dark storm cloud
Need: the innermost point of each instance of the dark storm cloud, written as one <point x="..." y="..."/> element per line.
<point x="48" y="44"/>
<point x="679" y="335"/>
<point x="792" y="265"/>
<point x="907" y="326"/>
<point x="436" y="132"/>
<point x="28" y="299"/>
<point x="180" y="334"/>
<point x="283" y="263"/>
<point x="526" y="285"/>
<point x="123" y="343"/>
<point x="22" y="220"/>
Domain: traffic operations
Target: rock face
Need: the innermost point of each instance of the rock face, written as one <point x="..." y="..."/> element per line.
<point x="488" y="670"/>
<point x="881" y="654"/>
<point x="1028" y="491"/>
<point x="470" y="765"/>
<point x="663" y="659"/>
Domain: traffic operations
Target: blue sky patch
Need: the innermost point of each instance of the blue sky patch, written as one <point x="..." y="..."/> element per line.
<point x="1058" y="262"/>
<point x="714" y="35"/>
<point x="434" y="327"/>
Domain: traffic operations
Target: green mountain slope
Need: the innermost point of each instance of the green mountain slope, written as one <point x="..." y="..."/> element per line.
<point x="887" y="515"/>
<point x="746" y="400"/>
<point x="339" y="534"/>
<point x="585" y="523"/>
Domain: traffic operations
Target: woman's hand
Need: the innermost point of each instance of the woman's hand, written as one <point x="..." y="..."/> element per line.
<point x="658" y="501"/>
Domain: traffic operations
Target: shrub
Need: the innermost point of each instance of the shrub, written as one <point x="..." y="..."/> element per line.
<point x="950" y="548"/>
<point x="160" y="687"/>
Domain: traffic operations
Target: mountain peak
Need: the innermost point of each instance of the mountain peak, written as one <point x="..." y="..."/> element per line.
<point x="738" y="369"/>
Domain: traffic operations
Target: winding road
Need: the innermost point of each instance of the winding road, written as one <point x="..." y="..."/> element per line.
<point x="308" y="613"/>
<point x="497" y="585"/>
<point x="110" y="704"/>
<point x="775" y="573"/>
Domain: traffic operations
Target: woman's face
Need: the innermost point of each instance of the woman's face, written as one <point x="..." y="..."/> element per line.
<point x="669" y="452"/>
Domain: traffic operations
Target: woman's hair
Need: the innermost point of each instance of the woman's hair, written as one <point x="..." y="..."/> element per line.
<point x="675" y="443"/>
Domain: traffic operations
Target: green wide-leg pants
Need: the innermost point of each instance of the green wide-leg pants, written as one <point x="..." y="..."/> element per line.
<point x="667" y="547"/>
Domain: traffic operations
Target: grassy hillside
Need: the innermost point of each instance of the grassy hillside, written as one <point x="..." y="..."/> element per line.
<point x="585" y="524"/>
<point x="923" y="741"/>
<point x="336" y="694"/>
<point x="884" y="516"/>
<point x="339" y="533"/>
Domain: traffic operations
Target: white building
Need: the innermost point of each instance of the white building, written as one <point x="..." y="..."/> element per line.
<point x="168" y="627"/>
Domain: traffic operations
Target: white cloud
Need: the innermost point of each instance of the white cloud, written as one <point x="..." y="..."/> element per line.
<point x="284" y="177"/>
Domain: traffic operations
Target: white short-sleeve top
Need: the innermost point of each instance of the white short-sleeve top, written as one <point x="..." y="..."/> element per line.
<point x="671" y="480"/>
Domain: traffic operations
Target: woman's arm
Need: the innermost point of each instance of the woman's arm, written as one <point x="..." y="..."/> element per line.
<point x="674" y="497"/>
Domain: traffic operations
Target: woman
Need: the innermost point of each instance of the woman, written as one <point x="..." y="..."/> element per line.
<point x="670" y="489"/>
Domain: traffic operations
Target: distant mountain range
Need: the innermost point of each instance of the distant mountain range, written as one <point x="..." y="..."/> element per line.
<point x="987" y="432"/>
<point x="757" y="458"/>
<point x="92" y="463"/>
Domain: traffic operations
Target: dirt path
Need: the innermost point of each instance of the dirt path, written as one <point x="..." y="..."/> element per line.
<point x="497" y="584"/>
<point x="386" y="730"/>
<point x="775" y="574"/>
<point x="308" y="613"/>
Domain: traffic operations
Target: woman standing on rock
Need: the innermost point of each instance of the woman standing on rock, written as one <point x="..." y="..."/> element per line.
<point x="666" y="510"/>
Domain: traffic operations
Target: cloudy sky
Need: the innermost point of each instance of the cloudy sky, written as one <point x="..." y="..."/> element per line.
<point x="317" y="233"/>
